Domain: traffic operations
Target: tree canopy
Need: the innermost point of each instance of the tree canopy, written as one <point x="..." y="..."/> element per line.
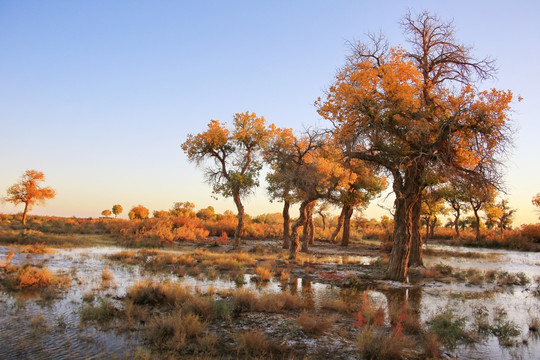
<point x="29" y="192"/>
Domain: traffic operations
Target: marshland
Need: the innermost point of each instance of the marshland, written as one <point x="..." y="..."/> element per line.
<point x="78" y="288"/>
<point x="396" y="223"/>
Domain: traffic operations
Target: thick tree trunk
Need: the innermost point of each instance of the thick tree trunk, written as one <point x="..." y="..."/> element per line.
<point x="416" y="255"/>
<point x="295" y="230"/>
<point x="307" y="237"/>
<point x="347" y="225"/>
<point x="456" y="223"/>
<point x="286" y="225"/>
<point x="338" y="226"/>
<point x="240" y="226"/>
<point x="408" y="194"/>
<point x="25" y="213"/>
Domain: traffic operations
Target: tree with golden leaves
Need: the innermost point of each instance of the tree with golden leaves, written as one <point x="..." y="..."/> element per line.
<point x="138" y="212"/>
<point x="415" y="112"/>
<point x="117" y="210"/>
<point x="106" y="213"/>
<point x="362" y="184"/>
<point x="235" y="158"/>
<point x="29" y="192"/>
<point x="310" y="166"/>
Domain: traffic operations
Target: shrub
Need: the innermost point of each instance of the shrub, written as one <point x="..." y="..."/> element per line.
<point x="449" y="328"/>
<point x="103" y="313"/>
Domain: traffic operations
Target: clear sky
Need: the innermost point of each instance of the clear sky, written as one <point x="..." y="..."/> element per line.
<point x="99" y="95"/>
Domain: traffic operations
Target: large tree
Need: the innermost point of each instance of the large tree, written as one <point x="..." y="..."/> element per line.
<point x="28" y="191"/>
<point x="415" y="112"/>
<point x="236" y="158"/>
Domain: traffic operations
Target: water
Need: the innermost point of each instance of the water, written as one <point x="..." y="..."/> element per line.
<point x="34" y="330"/>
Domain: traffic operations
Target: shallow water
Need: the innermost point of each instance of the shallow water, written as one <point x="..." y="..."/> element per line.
<point x="34" y="330"/>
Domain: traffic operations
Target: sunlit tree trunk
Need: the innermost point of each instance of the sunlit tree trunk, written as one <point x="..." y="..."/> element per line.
<point x="456" y="222"/>
<point x="25" y="213"/>
<point x="240" y="226"/>
<point x="286" y="224"/>
<point x="296" y="226"/>
<point x="477" y="217"/>
<point x="338" y="226"/>
<point x="308" y="234"/>
<point x="415" y="257"/>
<point x="407" y="194"/>
<point x="346" y="225"/>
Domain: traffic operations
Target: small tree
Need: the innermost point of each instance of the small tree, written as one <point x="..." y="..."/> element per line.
<point x="117" y="210"/>
<point x="432" y="205"/>
<point x="138" y="212"/>
<point x="183" y="208"/>
<point x="160" y="214"/>
<point x="500" y="215"/>
<point x="29" y="192"/>
<point x="479" y="197"/>
<point x="106" y="213"/>
<point x="453" y="194"/>
<point x="236" y="158"/>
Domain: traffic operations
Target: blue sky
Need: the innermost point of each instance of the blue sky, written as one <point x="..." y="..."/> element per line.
<point x="99" y="95"/>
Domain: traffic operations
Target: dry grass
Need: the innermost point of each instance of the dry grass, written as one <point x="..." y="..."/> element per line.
<point x="253" y="343"/>
<point x="28" y="276"/>
<point x="374" y="344"/>
<point x="338" y="305"/>
<point x="38" y="248"/>
<point x="174" y="331"/>
<point x="156" y="294"/>
<point x="244" y="300"/>
<point x="263" y="273"/>
<point x="315" y="325"/>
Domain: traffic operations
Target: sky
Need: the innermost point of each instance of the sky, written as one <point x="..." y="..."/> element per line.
<point x="99" y="95"/>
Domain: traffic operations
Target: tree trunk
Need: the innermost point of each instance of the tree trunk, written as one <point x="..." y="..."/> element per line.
<point x="295" y="230"/>
<point x="286" y="221"/>
<point x="338" y="226"/>
<point x="24" y="213"/>
<point x="416" y="256"/>
<point x="323" y="218"/>
<point x="240" y="226"/>
<point x="308" y="228"/>
<point x="347" y="225"/>
<point x="456" y="223"/>
<point x="407" y="194"/>
<point x="432" y="228"/>
<point x="477" y="217"/>
<point x="427" y="220"/>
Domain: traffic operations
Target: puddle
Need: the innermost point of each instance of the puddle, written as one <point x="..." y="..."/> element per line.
<point x="57" y="332"/>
